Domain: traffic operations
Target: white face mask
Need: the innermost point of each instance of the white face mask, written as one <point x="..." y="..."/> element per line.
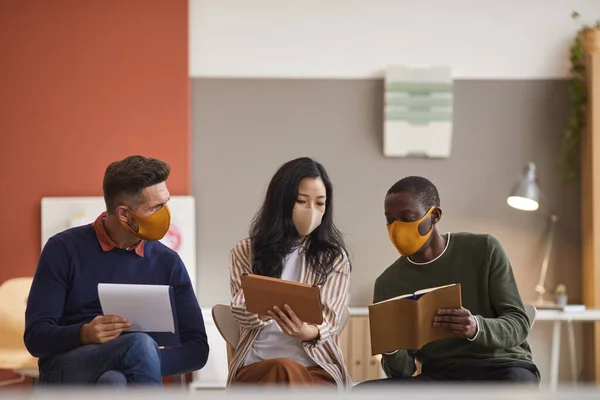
<point x="306" y="220"/>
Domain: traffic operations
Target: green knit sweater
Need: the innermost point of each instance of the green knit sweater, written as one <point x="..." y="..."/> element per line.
<point x="479" y="263"/>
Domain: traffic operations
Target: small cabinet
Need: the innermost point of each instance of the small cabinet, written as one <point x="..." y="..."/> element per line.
<point x="356" y="347"/>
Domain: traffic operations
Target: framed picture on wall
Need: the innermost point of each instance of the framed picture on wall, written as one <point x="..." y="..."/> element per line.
<point x="61" y="213"/>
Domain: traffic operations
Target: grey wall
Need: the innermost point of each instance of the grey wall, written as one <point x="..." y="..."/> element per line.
<point x="243" y="129"/>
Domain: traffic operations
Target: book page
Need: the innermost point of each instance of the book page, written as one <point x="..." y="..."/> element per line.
<point x="428" y="290"/>
<point x="404" y="296"/>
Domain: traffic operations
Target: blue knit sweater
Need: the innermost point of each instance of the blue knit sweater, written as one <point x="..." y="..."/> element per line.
<point x="64" y="295"/>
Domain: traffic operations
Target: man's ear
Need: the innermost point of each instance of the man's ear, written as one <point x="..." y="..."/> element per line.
<point x="436" y="215"/>
<point x="122" y="213"/>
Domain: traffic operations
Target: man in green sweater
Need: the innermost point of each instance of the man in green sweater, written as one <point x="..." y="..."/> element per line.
<point x="490" y="342"/>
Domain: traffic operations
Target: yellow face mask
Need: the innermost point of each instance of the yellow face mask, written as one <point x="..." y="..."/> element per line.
<point x="152" y="227"/>
<point x="405" y="236"/>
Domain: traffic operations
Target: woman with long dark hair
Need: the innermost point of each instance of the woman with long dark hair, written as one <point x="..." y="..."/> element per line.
<point x="292" y="237"/>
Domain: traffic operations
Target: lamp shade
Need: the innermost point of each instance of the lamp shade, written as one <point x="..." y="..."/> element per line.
<point x="526" y="193"/>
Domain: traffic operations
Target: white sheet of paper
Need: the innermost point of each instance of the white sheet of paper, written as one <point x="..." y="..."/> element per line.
<point x="147" y="307"/>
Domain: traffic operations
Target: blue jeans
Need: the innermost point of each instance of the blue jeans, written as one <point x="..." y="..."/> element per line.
<point x="132" y="358"/>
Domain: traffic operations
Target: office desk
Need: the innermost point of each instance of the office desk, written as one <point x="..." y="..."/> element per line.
<point x="558" y="318"/>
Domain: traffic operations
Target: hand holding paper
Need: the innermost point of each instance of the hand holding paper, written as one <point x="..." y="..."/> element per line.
<point x="147" y="307"/>
<point x="103" y="329"/>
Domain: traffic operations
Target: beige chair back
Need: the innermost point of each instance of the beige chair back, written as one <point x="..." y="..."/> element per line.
<point x="531" y="314"/>
<point x="344" y="319"/>
<point x="13" y="302"/>
<point x="227" y="326"/>
<point x="13" y="354"/>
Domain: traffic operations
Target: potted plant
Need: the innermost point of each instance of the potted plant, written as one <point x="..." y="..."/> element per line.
<point x="568" y="161"/>
<point x="561" y="295"/>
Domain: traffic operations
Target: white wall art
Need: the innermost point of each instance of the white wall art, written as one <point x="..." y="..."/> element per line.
<point x="60" y="213"/>
<point x="418" y="112"/>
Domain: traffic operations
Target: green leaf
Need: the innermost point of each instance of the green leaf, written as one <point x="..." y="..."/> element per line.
<point x="569" y="158"/>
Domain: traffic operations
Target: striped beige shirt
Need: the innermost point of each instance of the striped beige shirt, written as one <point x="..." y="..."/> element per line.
<point x="325" y="351"/>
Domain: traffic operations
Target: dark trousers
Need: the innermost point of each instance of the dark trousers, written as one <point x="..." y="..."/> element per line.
<point x="520" y="373"/>
<point x="131" y="359"/>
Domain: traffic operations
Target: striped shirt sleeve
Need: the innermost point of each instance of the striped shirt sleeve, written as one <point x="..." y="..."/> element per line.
<point x="240" y="264"/>
<point x="334" y="293"/>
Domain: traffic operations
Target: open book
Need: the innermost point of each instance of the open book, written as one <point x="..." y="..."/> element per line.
<point x="406" y="322"/>
<point x="262" y="293"/>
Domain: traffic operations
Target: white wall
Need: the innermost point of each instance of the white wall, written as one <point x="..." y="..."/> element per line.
<point x="479" y="39"/>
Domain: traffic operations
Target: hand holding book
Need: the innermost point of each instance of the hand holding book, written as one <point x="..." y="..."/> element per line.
<point x="409" y="321"/>
<point x="291" y="325"/>
<point x="262" y="294"/>
<point x="458" y="321"/>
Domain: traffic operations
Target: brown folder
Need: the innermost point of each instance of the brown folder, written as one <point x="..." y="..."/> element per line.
<point x="406" y="322"/>
<point x="262" y="293"/>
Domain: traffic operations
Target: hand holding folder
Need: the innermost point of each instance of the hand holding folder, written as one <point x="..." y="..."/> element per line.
<point x="406" y="322"/>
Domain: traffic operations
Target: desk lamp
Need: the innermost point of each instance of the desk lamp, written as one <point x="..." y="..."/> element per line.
<point x="526" y="196"/>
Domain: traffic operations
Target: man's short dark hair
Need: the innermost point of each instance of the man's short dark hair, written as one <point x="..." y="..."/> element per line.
<point x="124" y="180"/>
<point x="422" y="189"/>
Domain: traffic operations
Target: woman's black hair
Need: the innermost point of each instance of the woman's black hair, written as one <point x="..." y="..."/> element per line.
<point x="273" y="234"/>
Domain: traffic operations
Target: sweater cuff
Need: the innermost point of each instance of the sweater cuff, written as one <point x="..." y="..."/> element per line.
<point x="316" y="339"/>
<point x="476" y="330"/>
<point x="71" y="338"/>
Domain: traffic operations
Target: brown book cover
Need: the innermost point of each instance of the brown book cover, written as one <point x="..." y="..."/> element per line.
<point x="262" y="293"/>
<point x="406" y="322"/>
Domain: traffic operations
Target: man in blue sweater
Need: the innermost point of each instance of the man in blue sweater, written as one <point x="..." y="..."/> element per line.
<point x="65" y="327"/>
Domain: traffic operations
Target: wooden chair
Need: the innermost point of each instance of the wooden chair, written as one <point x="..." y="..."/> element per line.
<point x="229" y="328"/>
<point x="13" y="354"/>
